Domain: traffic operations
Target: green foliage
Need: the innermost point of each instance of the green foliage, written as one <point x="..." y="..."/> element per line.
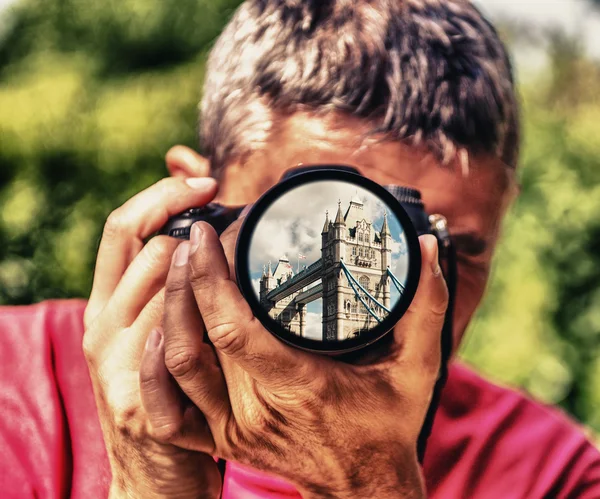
<point x="539" y="327"/>
<point x="93" y="95"/>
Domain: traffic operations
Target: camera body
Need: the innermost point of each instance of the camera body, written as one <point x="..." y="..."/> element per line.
<point x="220" y="217"/>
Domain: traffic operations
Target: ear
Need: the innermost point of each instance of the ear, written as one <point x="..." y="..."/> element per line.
<point x="185" y="162"/>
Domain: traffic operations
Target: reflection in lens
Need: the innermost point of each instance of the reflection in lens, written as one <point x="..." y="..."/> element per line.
<point x="328" y="260"/>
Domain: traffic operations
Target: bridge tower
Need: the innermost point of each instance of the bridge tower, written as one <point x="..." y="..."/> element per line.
<point x="367" y="254"/>
<point x="289" y="314"/>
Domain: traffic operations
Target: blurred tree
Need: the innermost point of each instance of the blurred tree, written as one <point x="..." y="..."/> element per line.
<point x="93" y="94"/>
<point x="539" y="327"/>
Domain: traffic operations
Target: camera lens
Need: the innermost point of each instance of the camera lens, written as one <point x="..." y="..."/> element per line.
<point x="328" y="260"/>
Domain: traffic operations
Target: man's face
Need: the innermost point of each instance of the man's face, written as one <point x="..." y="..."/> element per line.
<point x="473" y="197"/>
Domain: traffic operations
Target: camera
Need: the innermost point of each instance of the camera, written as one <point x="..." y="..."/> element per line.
<point x="361" y="261"/>
<point x="356" y="240"/>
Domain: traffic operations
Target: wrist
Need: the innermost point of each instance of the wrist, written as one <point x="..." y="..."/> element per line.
<point x="193" y="477"/>
<point x="382" y="481"/>
<point x="118" y="491"/>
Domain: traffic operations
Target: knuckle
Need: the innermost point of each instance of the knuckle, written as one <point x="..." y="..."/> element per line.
<point x="158" y="250"/>
<point x="199" y="277"/>
<point x="176" y="285"/>
<point x="440" y="305"/>
<point x="148" y="380"/>
<point x="182" y="363"/>
<point x="169" y="187"/>
<point x="166" y="185"/>
<point x="115" y="224"/>
<point x="435" y="317"/>
<point x="168" y="432"/>
<point x="229" y="338"/>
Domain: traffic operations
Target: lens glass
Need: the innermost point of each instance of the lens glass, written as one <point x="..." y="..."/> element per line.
<point x="328" y="262"/>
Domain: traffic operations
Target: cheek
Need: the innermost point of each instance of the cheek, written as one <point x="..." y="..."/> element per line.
<point x="469" y="292"/>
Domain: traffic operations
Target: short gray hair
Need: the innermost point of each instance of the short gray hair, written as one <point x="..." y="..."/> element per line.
<point x="430" y="72"/>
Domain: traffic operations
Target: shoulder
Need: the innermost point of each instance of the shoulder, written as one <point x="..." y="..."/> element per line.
<point x="37" y="338"/>
<point x="43" y="319"/>
<point x="502" y="438"/>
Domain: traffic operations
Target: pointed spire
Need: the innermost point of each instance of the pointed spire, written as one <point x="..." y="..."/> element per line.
<point x="264" y="274"/>
<point x="384" y="228"/>
<point x="326" y="226"/>
<point x="270" y="271"/>
<point x="339" y="219"/>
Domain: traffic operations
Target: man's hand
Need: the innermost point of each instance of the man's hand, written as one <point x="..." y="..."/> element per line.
<point x="331" y="428"/>
<point x="123" y="314"/>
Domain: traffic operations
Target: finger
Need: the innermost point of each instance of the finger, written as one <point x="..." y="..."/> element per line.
<point x="229" y="241"/>
<point x="142" y="280"/>
<point x="185" y="162"/>
<point x="171" y="419"/>
<point x="230" y="323"/>
<point x="419" y="331"/>
<point x="136" y="303"/>
<point x="189" y="359"/>
<point x="128" y="226"/>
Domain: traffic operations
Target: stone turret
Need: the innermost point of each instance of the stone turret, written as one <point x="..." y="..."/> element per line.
<point x="268" y="282"/>
<point x="326" y="226"/>
<point x="339" y="218"/>
<point x="325" y="231"/>
<point x="386" y="260"/>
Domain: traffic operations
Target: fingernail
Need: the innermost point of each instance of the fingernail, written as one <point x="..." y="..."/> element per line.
<point x="181" y="254"/>
<point x="435" y="259"/>
<point x="195" y="237"/>
<point x="153" y="340"/>
<point x="200" y="182"/>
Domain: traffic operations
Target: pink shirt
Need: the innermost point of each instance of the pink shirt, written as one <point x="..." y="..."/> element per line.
<point x="487" y="441"/>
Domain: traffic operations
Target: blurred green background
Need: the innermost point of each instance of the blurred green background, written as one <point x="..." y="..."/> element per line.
<point x="92" y="95"/>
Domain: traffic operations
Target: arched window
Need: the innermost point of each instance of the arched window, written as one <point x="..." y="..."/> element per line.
<point x="353" y="250"/>
<point x="360" y="252"/>
<point x="372" y="253"/>
<point x="360" y="236"/>
<point x="364" y="282"/>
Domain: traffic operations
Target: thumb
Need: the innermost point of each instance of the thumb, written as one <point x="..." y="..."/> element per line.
<point x="419" y="331"/>
<point x="237" y="335"/>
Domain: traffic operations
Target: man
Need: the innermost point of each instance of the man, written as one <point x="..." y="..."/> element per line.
<point x="414" y="92"/>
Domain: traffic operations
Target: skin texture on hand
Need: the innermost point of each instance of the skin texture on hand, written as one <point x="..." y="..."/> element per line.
<point x="331" y="428"/>
<point x="125" y="306"/>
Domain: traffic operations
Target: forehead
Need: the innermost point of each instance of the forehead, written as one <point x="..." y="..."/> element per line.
<point x="470" y="186"/>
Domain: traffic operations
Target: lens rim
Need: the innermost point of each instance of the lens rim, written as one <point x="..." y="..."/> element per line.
<point x="242" y="260"/>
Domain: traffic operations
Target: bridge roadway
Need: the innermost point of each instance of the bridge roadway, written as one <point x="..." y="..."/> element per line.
<point x="301" y="280"/>
<point x="310" y="294"/>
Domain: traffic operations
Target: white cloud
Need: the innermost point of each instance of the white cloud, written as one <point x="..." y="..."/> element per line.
<point x="293" y="223"/>
<point x="314" y="326"/>
<point x="256" y="286"/>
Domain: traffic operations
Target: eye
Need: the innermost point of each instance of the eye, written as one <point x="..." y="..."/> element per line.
<point x="469" y="243"/>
